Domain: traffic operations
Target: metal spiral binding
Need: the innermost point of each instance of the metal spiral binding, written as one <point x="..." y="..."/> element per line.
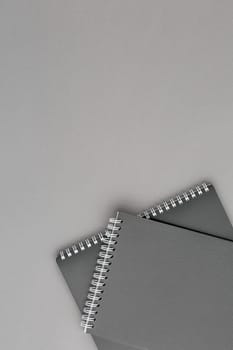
<point x="80" y="246"/>
<point x="100" y="275"/>
<point x="177" y="200"/>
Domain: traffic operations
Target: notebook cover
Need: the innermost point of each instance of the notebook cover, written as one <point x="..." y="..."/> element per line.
<point x="163" y="287"/>
<point x="78" y="268"/>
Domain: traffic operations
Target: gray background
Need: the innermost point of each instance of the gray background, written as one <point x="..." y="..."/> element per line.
<point x="104" y="104"/>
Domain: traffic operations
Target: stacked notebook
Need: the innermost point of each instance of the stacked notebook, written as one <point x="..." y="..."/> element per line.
<point x="160" y="280"/>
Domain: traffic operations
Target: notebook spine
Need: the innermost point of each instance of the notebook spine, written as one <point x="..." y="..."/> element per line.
<point x="80" y="246"/>
<point x="100" y="274"/>
<point x="179" y="199"/>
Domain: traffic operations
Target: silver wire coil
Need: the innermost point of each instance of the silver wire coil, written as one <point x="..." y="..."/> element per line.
<point x="80" y="246"/>
<point x="100" y="274"/>
<point x="177" y="200"/>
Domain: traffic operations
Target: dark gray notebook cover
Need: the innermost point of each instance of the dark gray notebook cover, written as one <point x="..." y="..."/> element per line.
<point x="167" y="288"/>
<point x="78" y="268"/>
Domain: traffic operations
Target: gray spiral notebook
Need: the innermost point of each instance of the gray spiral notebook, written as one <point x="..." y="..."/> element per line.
<point x="192" y="209"/>
<point x="159" y="286"/>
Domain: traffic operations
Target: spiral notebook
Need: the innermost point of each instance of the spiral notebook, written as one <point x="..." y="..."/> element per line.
<point x="77" y="262"/>
<point x="168" y="288"/>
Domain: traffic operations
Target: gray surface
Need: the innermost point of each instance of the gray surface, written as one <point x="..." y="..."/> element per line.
<point x="167" y="288"/>
<point x="103" y="105"/>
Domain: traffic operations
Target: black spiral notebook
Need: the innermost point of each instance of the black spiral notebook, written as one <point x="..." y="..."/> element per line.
<point x="198" y="209"/>
<point x="160" y="286"/>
